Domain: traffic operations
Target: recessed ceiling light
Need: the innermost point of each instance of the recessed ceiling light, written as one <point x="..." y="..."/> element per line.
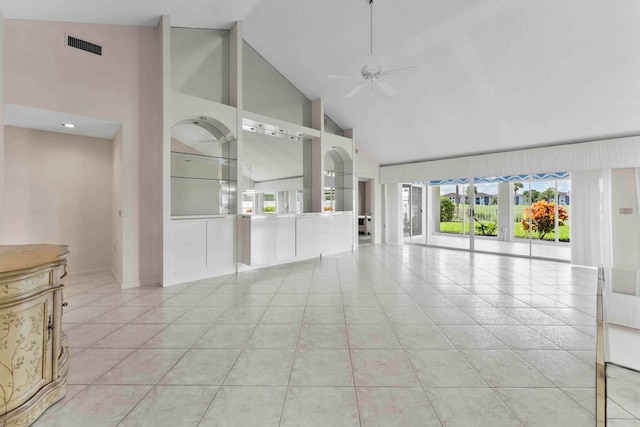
<point x="68" y="125"/>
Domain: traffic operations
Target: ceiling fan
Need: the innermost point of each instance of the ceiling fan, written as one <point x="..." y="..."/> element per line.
<point x="371" y="72"/>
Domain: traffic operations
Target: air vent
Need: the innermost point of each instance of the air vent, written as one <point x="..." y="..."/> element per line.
<point x="84" y="45"/>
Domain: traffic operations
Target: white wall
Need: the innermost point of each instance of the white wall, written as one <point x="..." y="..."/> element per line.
<point x="625" y="227"/>
<point x="59" y="190"/>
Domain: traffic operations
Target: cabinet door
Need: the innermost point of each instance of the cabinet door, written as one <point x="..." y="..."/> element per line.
<point x="25" y="349"/>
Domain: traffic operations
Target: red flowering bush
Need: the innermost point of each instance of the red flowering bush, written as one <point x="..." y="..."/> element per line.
<point x="542" y="216"/>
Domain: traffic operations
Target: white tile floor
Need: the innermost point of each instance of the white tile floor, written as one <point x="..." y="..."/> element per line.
<point x="623" y="397"/>
<point x="385" y="336"/>
<point x="540" y="249"/>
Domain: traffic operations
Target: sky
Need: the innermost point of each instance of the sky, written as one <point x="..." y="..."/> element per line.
<point x="492" y="188"/>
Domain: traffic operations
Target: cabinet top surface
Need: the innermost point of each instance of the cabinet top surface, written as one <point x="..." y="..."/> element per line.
<point x="22" y="257"/>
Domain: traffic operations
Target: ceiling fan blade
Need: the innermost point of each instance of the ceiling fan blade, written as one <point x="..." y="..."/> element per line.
<point x="399" y="69"/>
<point x="386" y="88"/>
<point x="341" y="76"/>
<point x="356" y="89"/>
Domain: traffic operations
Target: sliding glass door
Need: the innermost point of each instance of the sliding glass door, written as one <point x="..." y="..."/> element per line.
<point x="450" y="216"/>
<point x="412" y="212"/>
<point x="524" y="215"/>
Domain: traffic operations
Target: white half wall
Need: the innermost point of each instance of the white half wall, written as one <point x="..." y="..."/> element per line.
<point x="59" y="190"/>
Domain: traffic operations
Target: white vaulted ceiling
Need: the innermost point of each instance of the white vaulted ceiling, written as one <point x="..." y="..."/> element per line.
<point x="494" y="75"/>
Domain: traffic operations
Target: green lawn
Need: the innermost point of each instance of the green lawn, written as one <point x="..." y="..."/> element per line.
<point x="455" y="227"/>
<point x="490" y="212"/>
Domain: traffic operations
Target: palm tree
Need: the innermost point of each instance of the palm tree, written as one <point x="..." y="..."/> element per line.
<point x="516" y="187"/>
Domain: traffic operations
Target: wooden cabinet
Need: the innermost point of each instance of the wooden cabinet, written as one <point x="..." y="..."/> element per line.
<point x="33" y="354"/>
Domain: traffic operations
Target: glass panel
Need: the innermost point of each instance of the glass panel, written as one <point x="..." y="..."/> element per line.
<point x="299" y="201"/>
<point x="453" y="224"/>
<point x="269" y="203"/>
<point x="247" y="202"/>
<point x="202" y="173"/>
<point x="329" y="199"/>
<point x="521" y="241"/>
<point x="486" y="212"/>
<point x="406" y="211"/>
<point x="200" y="63"/>
<point x="416" y="211"/>
<point x="549" y="233"/>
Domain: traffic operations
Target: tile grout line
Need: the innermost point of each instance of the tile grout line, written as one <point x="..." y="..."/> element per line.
<point x="404" y="351"/>
<point x="204" y="413"/>
<point x="353" y="373"/>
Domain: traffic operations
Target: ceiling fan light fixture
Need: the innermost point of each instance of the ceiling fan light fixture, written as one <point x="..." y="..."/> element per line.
<point x="372" y="72"/>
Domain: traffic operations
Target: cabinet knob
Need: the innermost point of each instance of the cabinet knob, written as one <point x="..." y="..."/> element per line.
<point x="65" y="304"/>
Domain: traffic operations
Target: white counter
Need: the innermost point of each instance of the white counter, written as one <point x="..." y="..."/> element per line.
<point x="202" y="247"/>
<point x="207" y="246"/>
<point x="268" y="239"/>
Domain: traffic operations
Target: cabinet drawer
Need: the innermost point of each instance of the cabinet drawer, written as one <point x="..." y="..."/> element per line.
<point x="26" y="284"/>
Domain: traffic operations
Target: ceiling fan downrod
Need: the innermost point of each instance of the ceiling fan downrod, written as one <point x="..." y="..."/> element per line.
<point x="370" y="27"/>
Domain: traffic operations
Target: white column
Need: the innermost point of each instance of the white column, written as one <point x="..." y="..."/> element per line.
<point x="313" y="158"/>
<point x="393" y="215"/>
<point x="165" y="27"/>
<point x="434" y="192"/>
<point x="505" y="211"/>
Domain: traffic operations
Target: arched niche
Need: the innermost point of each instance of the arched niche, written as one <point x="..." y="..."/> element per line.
<point x="203" y="168"/>
<point x="338" y="180"/>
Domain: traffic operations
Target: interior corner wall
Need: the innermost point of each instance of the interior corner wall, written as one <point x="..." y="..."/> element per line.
<point x="122" y="86"/>
<point x="200" y="63"/>
<point x="116" y="206"/>
<point x="268" y="92"/>
<point x="368" y="168"/>
<point x="59" y="191"/>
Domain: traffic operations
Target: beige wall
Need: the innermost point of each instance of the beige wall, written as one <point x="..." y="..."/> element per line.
<point x="1" y="124"/>
<point x="116" y="203"/>
<point x="59" y="190"/>
<point x="123" y="85"/>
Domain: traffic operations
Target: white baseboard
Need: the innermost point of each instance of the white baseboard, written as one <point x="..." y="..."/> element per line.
<point x="91" y="272"/>
<point x="193" y="275"/>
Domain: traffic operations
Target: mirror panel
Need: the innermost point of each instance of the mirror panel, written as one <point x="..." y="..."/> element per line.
<point x="203" y="171"/>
